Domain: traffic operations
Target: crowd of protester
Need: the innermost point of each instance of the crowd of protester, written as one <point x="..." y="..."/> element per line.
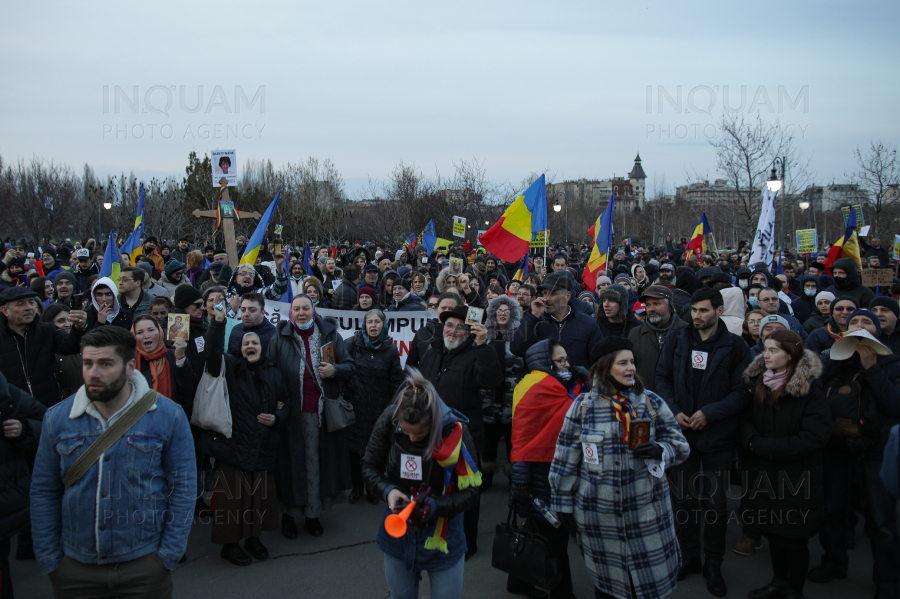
<point x="746" y="372"/>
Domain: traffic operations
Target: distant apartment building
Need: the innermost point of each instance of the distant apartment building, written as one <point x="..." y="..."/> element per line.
<point x="702" y="193"/>
<point x="832" y="197"/>
<point x="630" y="190"/>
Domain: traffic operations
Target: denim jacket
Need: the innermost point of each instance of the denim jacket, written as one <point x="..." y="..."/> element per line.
<point x="137" y="498"/>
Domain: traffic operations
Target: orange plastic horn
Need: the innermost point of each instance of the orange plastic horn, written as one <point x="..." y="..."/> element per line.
<point x="395" y="524"/>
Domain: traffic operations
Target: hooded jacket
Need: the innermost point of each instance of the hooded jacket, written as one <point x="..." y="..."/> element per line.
<point x="733" y="316"/>
<point x="272" y="292"/>
<point x="852" y="284"/>
<point x="381" y="471"/>
<point x="82" y="276"/>
<point x="577" y="332"/>
<point x="788" y="442"/>
<point x="616" y="329"/>
<point x="805" y="306"/>
<point x="118" y="317"/>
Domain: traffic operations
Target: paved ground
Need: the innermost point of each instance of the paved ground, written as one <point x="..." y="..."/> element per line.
<point x="345" y="562"/>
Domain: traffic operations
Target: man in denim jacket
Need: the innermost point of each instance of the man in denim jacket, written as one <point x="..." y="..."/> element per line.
<point x="125" y="523"/>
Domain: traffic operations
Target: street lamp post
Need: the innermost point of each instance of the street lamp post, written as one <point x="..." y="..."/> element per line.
<point x="106" y="205"/>
<point x="557" y="208"/>
<point x="776" y="184"/>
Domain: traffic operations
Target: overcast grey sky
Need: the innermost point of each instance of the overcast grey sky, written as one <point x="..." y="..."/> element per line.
<point x="522" y="86"/>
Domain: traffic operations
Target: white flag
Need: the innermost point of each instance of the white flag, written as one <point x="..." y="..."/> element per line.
<point x="763" y="249"/>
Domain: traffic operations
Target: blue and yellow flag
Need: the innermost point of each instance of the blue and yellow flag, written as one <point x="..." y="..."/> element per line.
<point x="522" y="270"/>
<point x="132" y="245"/>
<point x="256" y="240"/>
<point x="111" y="267"/>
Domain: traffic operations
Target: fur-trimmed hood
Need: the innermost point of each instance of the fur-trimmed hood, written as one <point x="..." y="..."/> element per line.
<point x="808" y="369"/>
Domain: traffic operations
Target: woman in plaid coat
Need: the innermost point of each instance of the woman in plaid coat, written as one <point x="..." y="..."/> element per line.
<point x="619" y="497"/>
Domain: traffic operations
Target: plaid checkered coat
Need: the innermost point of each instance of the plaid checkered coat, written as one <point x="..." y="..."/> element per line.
<point x="624" y="513"/>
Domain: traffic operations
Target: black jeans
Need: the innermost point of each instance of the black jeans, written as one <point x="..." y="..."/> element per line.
<point x="558" y="542"/>
<point x="492" y="433"/>
<point x="790" y="560"/>
<point x="881" y="513"/>
<point x="698" y="487"/>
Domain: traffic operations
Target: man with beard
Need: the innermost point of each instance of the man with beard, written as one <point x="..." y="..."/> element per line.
<point x="524" y="297"/>
<point x="649" y="338"/>
<point x="105" y="308"/>
<point x="681" y="299"/>
<point x="460" y="364"/>
<point x="124" y="542"/>
<point x="699" y="375"/>
<point x="131" y="295"/>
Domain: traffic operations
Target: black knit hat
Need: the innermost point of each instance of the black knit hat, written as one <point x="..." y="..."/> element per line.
<point x="185" y="295"/>
<point x="886" y="302"/>
<point x="610" y="345"/>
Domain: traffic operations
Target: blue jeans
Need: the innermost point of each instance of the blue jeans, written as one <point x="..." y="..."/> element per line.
<point x="840" y="470"/>
<point x="445" y="584"/>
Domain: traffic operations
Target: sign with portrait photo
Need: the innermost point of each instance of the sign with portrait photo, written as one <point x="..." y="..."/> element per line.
<point x="224" y="164"/>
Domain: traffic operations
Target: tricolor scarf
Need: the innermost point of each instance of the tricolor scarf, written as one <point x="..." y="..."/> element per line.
<point x="160" y="374"/>
<point x="624" y="413"/>
<point x="453" y="457"/>
<point x="831" y="332"/>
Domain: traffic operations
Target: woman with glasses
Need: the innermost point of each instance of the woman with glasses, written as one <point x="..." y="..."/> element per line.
<point x="502" y="322"/>
<point x="836" y="325"/>
<point x="542" y="399"/>
<point x="751" y="326"/>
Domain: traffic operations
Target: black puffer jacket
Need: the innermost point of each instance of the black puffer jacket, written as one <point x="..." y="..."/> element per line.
<point x="577" y="332"/>
<point x="851" y="285"/>
<point x="29" y="362"/>
<point x="378" y="376"/>
<point x="458" y="376"/>
<point x="616" y="329"/>
<point x="381" y="464"/>
<point x="15" y="473"/>
<point x="252" y="390"/>
<point x="345" y="296"/>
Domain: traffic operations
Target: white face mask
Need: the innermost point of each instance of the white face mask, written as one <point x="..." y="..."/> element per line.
<point x="810" y="292"/>
<point x="743" y="283"/>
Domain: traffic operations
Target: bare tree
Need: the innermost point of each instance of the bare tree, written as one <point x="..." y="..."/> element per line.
<point x="745" y="153"/>
<point x="879" y="174"/>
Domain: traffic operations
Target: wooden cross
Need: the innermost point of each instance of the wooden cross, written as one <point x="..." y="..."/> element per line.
<point x="227" y="224"/>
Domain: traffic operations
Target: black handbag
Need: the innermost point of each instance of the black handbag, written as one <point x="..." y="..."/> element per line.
<point x="524" y="553"/>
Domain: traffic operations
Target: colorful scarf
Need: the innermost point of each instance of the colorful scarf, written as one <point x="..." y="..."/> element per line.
<point x="831" y="332"/>
<point x="453" y="457"/>
<point x="624" y="413"/>
<point x="160" y="375"/>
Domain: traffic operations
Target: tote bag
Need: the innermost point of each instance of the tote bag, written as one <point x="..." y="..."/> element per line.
<point x="212" y="411"/>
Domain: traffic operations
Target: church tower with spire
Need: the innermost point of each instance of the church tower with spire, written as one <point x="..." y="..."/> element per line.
<point x="638" y="181"/>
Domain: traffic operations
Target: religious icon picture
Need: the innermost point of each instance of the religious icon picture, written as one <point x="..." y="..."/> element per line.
<point x="328" y="353"/>
<point x="638" y="433"/>
<point x="179" y="326"/>
<point x="226" y="208"/>
<point x="474" y="315"/>
<point x="456" y="266"/>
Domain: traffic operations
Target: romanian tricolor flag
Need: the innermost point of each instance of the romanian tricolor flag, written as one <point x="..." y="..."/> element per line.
<point x="698" y="239"/>
<point x="847" y="246"/>
<point x="132" y="245"/>
<point x="602" y="232"/>
<point x="111" y="266"/>
<point x="627" y="241"/>
<point x="540" y="403"/>
<point x="256" y="240"/>
<point x="511" y="236"/>
<point x="522" y="271"/>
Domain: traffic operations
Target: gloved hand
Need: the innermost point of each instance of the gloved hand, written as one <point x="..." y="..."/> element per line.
<point x="522" y="500"/>
<point x="422" y="511"/>
<point x="648" y="451"/>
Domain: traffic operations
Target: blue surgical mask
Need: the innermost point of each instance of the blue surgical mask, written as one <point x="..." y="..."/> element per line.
<point x="810" y="292"/>
<point x="754" y="302"/>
